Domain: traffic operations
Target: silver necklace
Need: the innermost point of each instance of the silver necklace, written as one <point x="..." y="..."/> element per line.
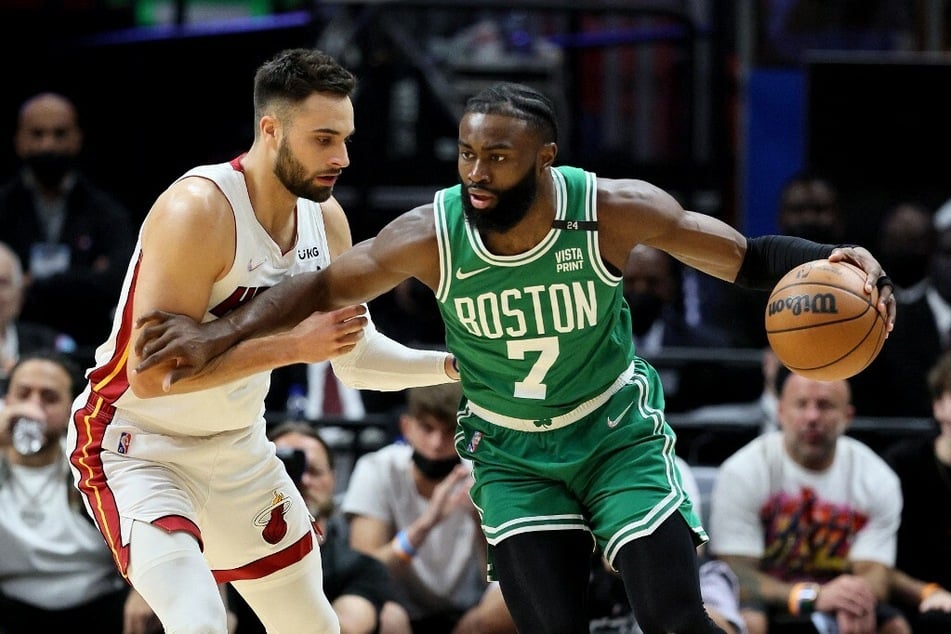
<point x="31" y="502"/>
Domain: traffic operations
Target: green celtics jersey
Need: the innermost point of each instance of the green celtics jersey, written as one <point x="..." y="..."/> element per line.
<point x="541" y="332"/>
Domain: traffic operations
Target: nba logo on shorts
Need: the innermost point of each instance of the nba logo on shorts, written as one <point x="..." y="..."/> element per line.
<point x="474" y="442"/>
<point x="124" y="439"/>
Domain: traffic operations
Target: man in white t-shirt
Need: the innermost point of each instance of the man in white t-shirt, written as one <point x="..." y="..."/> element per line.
<point x="409" y="506"/>
<point x="808" y="519"/>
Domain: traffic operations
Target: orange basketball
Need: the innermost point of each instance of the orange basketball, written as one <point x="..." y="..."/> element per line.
<point x="821" y="324"/>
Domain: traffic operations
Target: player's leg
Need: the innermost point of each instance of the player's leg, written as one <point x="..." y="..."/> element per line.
<point x="544" y="579"/>
<point x="171" y="574"/>
<point x="660" y="573"/>
<point x="292" y="600"/>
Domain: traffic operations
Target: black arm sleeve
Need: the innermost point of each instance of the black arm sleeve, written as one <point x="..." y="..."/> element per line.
<point x="768" y="258"/>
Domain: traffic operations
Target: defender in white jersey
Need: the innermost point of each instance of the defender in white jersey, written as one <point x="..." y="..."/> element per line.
<point x="181" y="479"/>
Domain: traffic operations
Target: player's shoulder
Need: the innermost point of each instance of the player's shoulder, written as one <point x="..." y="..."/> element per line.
<point x="417" y="223"/>
<point x="336" y="226"/>
<point x="192" y="203"/>
<point x="628" y="191"/>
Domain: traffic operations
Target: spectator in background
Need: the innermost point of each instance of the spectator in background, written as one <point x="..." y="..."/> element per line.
<point x="56" y="571"/>
<point x="808" y="207"/>
<point x="73" y="237"/>
<point x="652" y="288"/>
<point x="408" y="506"/>
<point x="917" y="341"/>
<point x="326" y="396"/>
<point x="906" y="243"/>
<point x="19" y="337"/>
<point x="358" y="586"/>
<point x="654" y="291"/>
<point x="808" y="519"/>
<point x="923" y="562"/>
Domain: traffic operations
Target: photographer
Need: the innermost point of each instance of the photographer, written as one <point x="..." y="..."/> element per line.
<point x="56" y="570"/>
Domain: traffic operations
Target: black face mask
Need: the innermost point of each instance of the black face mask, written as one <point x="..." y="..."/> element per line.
<point x="906" y="269"/>
<point x="645" y="309"/>
<point x="434" y="469"/>
<point x="50" y="168"/>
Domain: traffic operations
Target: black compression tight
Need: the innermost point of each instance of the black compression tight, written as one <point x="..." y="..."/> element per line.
<point x="544" y="578"/>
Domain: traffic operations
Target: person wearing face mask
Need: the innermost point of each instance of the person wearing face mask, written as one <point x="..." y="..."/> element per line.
<point x="652" y="289"/>
<point x="72" y="236"/>
<point x="906" y="242"/>
<point x="408" y="505"/>
<point x="925" y="332"/>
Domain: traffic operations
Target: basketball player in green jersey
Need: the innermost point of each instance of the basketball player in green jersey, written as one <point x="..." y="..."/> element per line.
<point x="563" y="423"/>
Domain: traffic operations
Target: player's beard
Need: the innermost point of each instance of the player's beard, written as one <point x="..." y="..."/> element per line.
<point x="511" y="205"/>
<point x="295" y="179"/>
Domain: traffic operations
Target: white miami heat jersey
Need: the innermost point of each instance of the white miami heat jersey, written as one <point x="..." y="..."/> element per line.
<point x="258" y="264"/>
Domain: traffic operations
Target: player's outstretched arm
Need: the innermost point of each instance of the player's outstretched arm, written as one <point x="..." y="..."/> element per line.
<point x="170" y="337"/>
<point x="187" y="243"/>
<point x="319" y="337"/>
<point x="405" y="248"/>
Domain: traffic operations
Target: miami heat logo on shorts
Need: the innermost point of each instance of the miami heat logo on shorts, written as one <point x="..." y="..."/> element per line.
<point x="272" y="518"/>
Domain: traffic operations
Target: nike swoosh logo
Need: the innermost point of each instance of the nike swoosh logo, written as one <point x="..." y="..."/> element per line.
<point x="252" y="265"/>
<point x="460" y="275"/>
<point x="612" y="422"/>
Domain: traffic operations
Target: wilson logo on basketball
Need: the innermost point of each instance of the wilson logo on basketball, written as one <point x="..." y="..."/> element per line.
<point x="822" y="303"/>
<point x="821" y="322"/>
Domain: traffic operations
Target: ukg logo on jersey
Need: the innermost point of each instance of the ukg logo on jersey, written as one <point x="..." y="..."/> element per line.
<point x="308" y="254"/>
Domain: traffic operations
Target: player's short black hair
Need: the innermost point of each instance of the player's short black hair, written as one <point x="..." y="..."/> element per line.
<point x="520" y="101"/>
<point x="295" y="74"/>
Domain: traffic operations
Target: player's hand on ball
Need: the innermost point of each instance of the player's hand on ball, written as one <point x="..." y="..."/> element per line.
<point x="862" y="258"/>
<point x="823" y="323"/>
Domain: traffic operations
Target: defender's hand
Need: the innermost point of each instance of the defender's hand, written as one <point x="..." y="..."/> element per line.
<point x="323" y="336"/>
<point x="175" y="339"/>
